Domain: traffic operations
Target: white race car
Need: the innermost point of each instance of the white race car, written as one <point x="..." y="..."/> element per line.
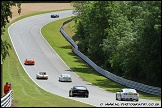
<point x="42" y="75"/>
<point x="127" y="94"/>
<point x="65" y="77"/>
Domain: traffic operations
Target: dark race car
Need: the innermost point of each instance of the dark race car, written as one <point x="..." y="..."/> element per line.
<point x="78" y="91"/>
<point x="54" y="16"/>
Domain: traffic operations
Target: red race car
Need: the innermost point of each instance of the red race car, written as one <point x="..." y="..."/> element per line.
<point x="29" y="61"/>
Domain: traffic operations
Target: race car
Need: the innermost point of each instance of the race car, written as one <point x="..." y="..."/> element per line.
<point x="127" y="94"/>
<point x="54" y="16"/>
<point x="78" y="91"/>
<point x="29" y="61"/>
<point x="65" y="77"/>
<point x="41" y="75"/>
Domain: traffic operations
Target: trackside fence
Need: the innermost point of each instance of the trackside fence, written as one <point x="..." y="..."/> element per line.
<point x="131" y="84"/>
<point x="6" y="100"/>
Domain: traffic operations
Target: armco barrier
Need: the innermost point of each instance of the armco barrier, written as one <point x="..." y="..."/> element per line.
<point x="131" y="84"/>
<point x="6" y="100"/>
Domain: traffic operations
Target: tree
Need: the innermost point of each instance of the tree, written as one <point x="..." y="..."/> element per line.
<point x="5" y="14"/>
<point x="150" y="43"/>
<point x="123" y="37"/>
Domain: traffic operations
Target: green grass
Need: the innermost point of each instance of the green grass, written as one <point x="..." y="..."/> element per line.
<point x="63" y="48"/>
<point x="26" y="92"/>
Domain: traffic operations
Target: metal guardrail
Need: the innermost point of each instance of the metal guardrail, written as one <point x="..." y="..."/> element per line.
<point x="6" y="100"/>
<point x="131" y="84"/>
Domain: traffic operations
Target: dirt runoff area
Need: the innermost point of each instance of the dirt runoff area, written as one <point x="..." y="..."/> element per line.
<point x="28" y="8"/>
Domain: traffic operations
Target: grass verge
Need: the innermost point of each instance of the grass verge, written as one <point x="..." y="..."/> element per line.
<point x="26" y="92"/>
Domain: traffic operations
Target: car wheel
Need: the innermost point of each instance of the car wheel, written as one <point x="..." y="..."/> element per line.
<point x="69" y="94"/>
<point x="116" y="97"/>
<point x="120" y="98"/>
<point x="72" y="95"/>
<point x="86" y="96"/>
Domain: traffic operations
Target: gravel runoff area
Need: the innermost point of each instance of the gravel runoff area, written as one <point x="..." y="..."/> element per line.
<point x="28" y="8"/>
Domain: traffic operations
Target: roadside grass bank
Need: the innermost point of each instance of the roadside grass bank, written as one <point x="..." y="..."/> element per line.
<point x="51" y="33"/>
<point x="25" y="92"/>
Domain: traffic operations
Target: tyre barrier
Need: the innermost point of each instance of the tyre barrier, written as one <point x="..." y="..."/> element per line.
<point x="6" y="100"/>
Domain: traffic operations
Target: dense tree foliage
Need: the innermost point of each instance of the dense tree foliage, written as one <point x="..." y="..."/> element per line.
<point x="50" y="1"/>
<point x="123" y="37"/>
<point x="5" y="14"/>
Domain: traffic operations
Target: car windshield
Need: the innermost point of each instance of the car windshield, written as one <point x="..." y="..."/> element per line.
<point x="80" y="87"/>
<point x="30" y="59"/>
<point x="65" y="75"/>
<point x="129" y="90"/>
<point x="42" y="73"/>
